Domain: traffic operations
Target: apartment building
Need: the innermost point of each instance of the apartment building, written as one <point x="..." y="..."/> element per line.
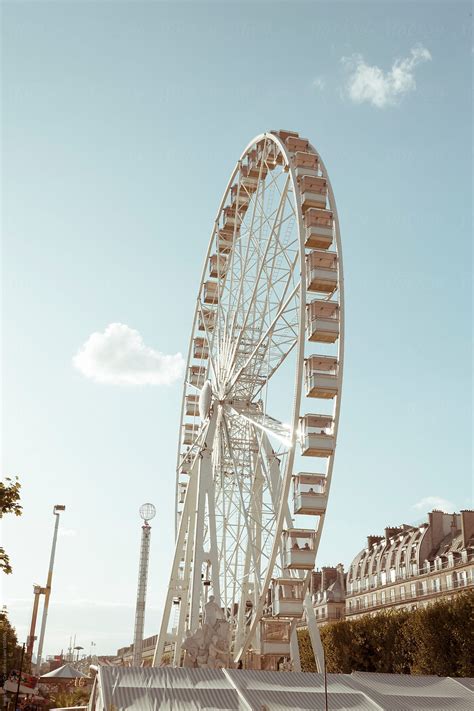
<point x="328" y="591"/>
<point x="411" y="566"/>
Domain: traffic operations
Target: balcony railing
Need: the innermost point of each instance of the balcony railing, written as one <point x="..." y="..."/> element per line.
<point x="407" y="575"/>
<point x="409" y="597"/>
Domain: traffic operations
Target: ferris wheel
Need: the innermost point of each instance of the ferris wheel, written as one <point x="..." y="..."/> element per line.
<point x="259" y="416"/>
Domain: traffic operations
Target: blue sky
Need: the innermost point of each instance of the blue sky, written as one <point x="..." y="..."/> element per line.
<point x="121" y="124"/>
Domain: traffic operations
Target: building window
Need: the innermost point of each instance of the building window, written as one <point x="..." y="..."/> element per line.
<point x="374" y="599"/>
<point x="462" y="578"/>
<point x="366" y="601"/>
<point x="392" y="594"/>
<point x="413" y="589"/>
<point x="436" y="585"/>
<point x="402" y="592"/>
<point x="383" y="577"/>
<point x="374" y="581"/>
<point x="382" y="597"/>
<point x="393" y="576"/>
<point x="414" y="569"/>
<point x="358" y="584"/>
<point x="366" y="583"/>
<point x="424" y="587"/>
<point x="449" y="582"/>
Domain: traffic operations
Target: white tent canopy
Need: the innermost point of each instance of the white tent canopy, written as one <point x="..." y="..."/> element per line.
<point x="65" y="672"/>
<point x="166" y="689"/>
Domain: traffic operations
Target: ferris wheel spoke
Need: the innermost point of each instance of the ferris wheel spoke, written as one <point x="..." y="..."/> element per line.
<point x="260" y="262"/>
<point x="245" y="513"/>
<point x="263" y="337"/>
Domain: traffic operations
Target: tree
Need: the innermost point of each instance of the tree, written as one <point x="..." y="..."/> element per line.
<point x="10" y="653"/>
<point x="9" y="503"/>
<point x="436" y="639"/>
<point x="64" y="698"/>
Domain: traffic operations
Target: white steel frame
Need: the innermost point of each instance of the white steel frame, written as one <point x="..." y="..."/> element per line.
<point x="229" y="528"/>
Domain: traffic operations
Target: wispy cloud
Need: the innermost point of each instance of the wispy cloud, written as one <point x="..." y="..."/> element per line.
<point x="319" y="83"/>
<point x="120" y="357"/>
<point x="428" y="503"/>
<point x="371" y="84"/>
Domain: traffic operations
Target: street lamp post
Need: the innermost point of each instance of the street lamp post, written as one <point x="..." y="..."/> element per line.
<point x="57" y="512"/>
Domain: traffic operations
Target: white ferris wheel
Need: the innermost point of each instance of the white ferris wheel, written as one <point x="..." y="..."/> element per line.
<point x="259" y="416"/>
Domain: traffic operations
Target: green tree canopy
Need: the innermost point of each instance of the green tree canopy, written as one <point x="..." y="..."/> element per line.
<point x="9" y="503"/>
<point x="436" y="639"/>
<point x="10" y="653"/>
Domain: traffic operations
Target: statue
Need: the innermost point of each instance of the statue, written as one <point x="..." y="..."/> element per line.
<point x="208" y="646"/>
<point x="191" y="649"/>
<point x="212" y="612"/>
<point x="218" y="654"/>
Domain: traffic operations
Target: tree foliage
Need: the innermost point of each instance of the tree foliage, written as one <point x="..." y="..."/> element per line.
<point x="65" y="698"/>
<point x="9" y="503"/>
<point x="436" y="639"/>
<point x="10" y="650"/>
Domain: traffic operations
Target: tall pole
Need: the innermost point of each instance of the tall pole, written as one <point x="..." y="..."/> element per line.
<point x="147" y="511"/>
<point x="56" y="511"/>
<point x="19" y="676"/>
<point x="30" y="642"/>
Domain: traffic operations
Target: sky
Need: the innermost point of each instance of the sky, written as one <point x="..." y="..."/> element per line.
<point x="121" y="123"/>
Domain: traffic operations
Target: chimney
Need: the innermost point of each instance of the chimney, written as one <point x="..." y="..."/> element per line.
<point x="341" y="576"/>
<point x="373" y="539"/>
<point x="440" y="526"/>
<point x="328" y="576"/>
<point x="467" y="526"/>
<point x="390" y="532"/>
<point x="316" y="581"/>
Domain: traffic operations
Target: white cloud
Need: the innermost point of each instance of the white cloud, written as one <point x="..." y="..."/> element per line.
<point x="379" y="88"/>
<point x="120" y="357"/>
<point x="319" y="83"/>
<point x="434" y="502"/>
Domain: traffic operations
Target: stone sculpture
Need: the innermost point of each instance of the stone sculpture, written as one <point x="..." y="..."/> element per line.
<point x="208" y="646"/>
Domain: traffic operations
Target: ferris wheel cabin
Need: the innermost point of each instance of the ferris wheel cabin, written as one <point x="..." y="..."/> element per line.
<point x="287" y="597"/>
<point x="299" y="549"/>
<point x="317" y="436"/>
<point x="275" y="637"/>
<point x="322" y="376"/>
<point x="211" y="292"/>
<point x="197" y="375"/>
<point x="217" y="265"/>
<point x="206" y="319"/>
<point x="322" y="321"/>
<point x="321" y="271"/>
<point x="314" y="191"/>
<point x="200" y="348"/>
<point x="309" y="494"/>
<point x="190" y="432"/>
<point x="319" y="228"/>
<point x="192" y="405"/>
